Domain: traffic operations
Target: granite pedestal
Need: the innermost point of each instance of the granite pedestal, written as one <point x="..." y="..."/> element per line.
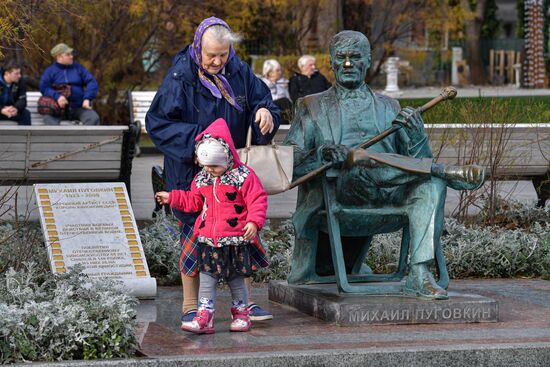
<point x="324" y="302"/>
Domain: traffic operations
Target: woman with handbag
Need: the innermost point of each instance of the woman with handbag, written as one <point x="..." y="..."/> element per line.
<point x="68" y="90"/>
<point x="207" y="81"/>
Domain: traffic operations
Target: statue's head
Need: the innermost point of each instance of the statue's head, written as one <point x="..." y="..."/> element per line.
<point x="350" y="58"/>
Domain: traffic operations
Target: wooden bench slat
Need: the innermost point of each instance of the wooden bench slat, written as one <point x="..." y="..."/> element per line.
<point x="518" y="138"/>
<point x="8" y="175"/>
<point x="55" y="148"/>
<point x="83" y="156"/>
<point x="60" y="175"/>
<point x="519" y="172"/>
<point x="67" y="130"/>
<point x="514" y="154"/>
<point x="73" y="175"/>
<point x="52" y="139"/>
<point x="62" y="164"/>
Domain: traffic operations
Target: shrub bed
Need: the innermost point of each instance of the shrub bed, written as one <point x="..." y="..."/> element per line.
<point x="48" y="317"/>
<point x="519" y="245"/>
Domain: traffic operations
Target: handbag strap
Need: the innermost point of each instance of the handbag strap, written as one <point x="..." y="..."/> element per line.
<point x="249" y="138"/>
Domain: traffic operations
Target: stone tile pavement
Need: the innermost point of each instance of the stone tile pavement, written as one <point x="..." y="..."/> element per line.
<point x="521" y="336"/>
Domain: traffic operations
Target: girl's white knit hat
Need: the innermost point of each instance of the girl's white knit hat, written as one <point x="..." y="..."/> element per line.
<point x="211" y="152"/>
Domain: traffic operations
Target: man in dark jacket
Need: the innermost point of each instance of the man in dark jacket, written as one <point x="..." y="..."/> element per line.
<point x="308" y="81"/>
<point x="83" y="87"/>
<point x="13" y="95"/>
<point x="207" y="81"/>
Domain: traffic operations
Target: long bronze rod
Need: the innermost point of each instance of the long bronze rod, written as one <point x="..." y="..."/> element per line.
<point x="447" y="93"/>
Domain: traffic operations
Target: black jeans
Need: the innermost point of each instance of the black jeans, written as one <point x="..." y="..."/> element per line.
<point x="22" y="118"/>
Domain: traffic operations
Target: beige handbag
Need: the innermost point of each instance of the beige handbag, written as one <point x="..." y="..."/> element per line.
<point x="272" y="163"/>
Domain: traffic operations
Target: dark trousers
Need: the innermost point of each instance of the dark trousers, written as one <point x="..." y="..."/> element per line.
<point x="87" y="117"/>
<point x="22" y="118"/>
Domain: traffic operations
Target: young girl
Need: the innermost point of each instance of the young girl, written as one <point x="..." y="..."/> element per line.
<point x="233" y="205"/>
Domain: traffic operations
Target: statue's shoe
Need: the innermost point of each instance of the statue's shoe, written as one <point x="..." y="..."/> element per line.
<point x="424" y="285"/>
<point x="462" y="177"/>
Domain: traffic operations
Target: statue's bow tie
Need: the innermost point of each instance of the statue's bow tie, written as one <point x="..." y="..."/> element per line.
<point x="355" y="93"/>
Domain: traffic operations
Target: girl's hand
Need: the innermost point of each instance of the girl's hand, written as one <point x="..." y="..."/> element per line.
<point x="250" y="231"/>
<point x="162" y="197"/>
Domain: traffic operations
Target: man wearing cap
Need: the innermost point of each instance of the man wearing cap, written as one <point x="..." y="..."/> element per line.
<point x="83" y="87"/>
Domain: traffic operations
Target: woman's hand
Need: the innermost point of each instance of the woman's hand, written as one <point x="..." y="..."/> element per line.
<point x="250" y="231"/>
<point x="265" y="120"/>
<point x="62" y="101"/>
<point x="162" y="197"/>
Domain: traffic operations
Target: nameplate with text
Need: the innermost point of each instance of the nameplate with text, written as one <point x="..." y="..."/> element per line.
<point x="92" y="224"/>
<point x="327" y="303"/>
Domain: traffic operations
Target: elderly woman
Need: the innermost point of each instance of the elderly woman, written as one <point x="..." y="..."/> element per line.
<point x="273" y="78"/>
<point x="207" y="81"/>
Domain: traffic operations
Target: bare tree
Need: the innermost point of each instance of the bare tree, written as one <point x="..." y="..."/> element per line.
<point x="472" y="26"/>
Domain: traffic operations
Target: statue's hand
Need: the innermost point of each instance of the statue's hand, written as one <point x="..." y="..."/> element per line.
<point x="335" y="154"/>
<point x="410" y="119"/>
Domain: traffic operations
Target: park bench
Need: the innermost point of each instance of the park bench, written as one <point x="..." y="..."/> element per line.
<point x="507" y="151"/>
<point x="32" y="106"/>
<point x="59" y="154"/>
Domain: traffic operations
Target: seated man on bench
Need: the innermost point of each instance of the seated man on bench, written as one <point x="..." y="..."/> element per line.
<point x="72" y="86"/>
<point x="395" y="175"/>
<point x="13" y="95"/>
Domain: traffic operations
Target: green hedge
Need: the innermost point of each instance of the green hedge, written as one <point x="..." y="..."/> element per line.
<point x="486" y="110"/>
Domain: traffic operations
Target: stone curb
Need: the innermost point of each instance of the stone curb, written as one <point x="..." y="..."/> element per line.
<point x="518" y="355"/>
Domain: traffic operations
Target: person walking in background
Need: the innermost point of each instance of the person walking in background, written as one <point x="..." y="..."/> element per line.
<point x="308" y="81"/>
<point x="72" y="86"/>
<point x="13" y="95"/>
<point x="232" y="205"/>
<point x="272" y="76"/>
<point x="207" y="81"/>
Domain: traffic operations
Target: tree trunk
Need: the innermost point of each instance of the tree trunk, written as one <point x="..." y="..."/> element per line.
<point x="472" y="27"/>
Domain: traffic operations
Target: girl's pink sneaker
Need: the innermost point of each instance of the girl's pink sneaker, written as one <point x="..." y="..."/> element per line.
<point x="203" y="323"/>
<point x="241" y="320"/>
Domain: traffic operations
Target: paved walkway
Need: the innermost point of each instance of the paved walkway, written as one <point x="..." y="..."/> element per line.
<point x="524" y="322"/>
<point x="473" y="91"/>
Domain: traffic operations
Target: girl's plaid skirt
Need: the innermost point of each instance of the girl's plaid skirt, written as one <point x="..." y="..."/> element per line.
<point x="189" y="259"/>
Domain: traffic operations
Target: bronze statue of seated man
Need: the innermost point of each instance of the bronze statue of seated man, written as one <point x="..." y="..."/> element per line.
<point x="397" y="173"/>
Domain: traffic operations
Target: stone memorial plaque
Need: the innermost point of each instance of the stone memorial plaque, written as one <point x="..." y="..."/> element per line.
<point x="325" y="302"/>
<point x="92" y="224"/>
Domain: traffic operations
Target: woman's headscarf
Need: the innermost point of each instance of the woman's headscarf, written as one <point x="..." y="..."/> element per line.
<point x="216" y="84"/>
